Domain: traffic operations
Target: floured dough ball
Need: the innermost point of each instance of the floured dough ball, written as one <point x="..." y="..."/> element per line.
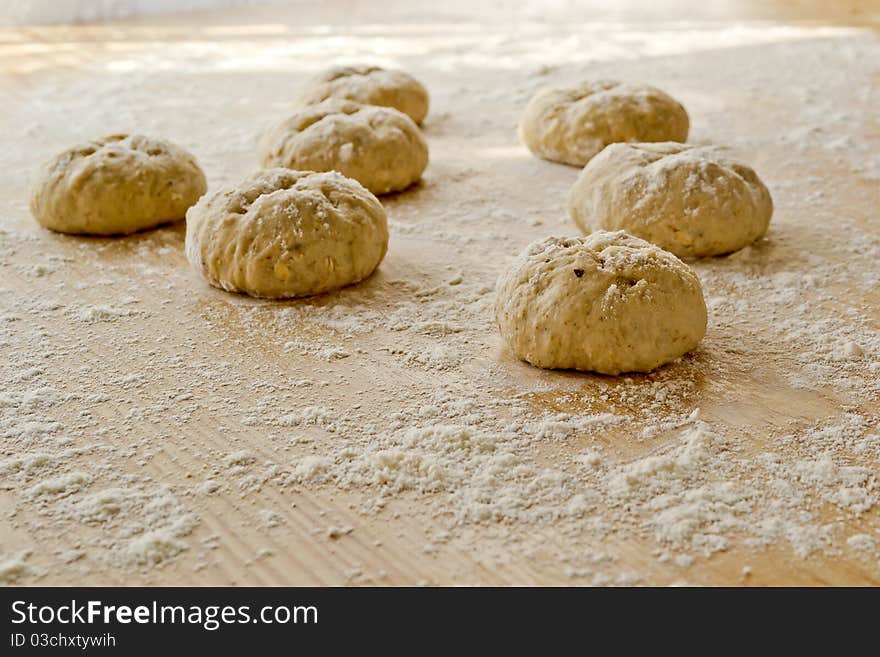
<point x="572" y="124"/>
<point x="607" y="303"/>
<point x="282" y="233"/>
<point x="371" y="85"/>
<point x="116" y="185"/>
<point x="690" y="200"/>
<point x="378" y="146"/>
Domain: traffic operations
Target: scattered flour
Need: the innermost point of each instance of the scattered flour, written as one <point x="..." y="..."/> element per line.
<point x="102" y="313"/>
<point x="14" y="568"/>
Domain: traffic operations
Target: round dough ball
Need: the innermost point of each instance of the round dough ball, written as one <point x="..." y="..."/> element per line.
<point x="607" y="303"/>
<point x="282" y="233"/>
<point x="378" y="146"/>
<point x="116" y="185"/>
<point x="572" y="124"/>
<point x="371" y="85"/>
<point x="690" y="200"/>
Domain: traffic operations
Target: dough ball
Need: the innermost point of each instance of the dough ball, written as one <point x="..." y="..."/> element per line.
<point x="116" y="185"/>
<point x="690" y="200"/>
<point x="378" y="146"/>
<point x="572" y="124"/>
<point x="283" y="233"/>
<point x="371" y="85"/>
<point x="607" y="302"/>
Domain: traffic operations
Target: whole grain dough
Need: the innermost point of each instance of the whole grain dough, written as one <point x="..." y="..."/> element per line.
<point x="572" y="124"/>
<point x="608" y="302"/>
<point x="378" y="146"/>
<point x="690" y="200"/>
<point x="116" y="185"/>
<point x="370" y="85"/>
<point x="282" y="233"/>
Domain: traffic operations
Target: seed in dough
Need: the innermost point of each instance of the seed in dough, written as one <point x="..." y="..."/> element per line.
<point x="690" y="200"/>
<point x="282" y="233"/>
<point x="116" y="185"/>
<point x="608" y="302"/>
<point x="572" y="124"/>
<point x="370" y="85"/>
<point x="378" y="146"/>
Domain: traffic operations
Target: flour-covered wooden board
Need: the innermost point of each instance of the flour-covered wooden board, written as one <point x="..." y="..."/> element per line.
<point x="156" y="430"/>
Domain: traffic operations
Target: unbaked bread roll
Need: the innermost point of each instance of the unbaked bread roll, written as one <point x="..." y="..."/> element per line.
<point x="378" y="146"/>
<point x="282" y="233"/>
<point x="608" y="302"/>
<point x="116" y="185"/>
<point x="572" y="124"/>
<point x="371" y="85"/>
<point x="690" y="200"/>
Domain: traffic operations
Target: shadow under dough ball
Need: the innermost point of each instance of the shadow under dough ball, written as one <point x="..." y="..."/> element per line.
<point x="116" y="185"/>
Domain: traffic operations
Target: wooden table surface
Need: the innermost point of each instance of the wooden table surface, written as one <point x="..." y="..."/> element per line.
<point x="123" y="372"/>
